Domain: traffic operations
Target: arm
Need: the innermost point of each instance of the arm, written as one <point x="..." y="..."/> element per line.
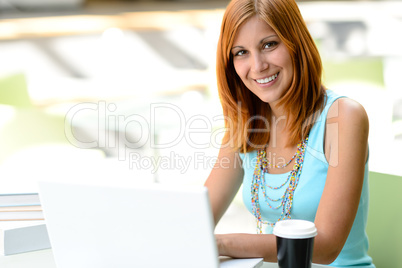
<point x="224" y="181"/>
<point x="346" y="151"/>
<point x="223" y="184"/>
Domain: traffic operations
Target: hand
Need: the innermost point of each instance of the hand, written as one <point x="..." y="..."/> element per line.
<point x="244" y="245"/>
<point x="219" y="243"/>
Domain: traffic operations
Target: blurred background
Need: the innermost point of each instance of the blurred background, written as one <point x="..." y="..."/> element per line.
<point x="127" y="89"/>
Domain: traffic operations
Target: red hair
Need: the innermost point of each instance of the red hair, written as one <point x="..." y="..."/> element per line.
<point x="302" y="102"/>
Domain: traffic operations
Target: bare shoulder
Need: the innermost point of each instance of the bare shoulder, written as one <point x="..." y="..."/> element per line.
<point x="348" y="112"/>
<point x="347" y="130"/>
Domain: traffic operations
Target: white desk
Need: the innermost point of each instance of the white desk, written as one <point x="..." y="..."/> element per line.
<point x="34" y="259"/>
<point x="44" y="259"/>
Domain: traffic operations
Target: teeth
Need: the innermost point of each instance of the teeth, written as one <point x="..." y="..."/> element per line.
<point x="267" y="80"/>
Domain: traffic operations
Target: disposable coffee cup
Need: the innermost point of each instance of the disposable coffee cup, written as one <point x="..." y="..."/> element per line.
<point x="294" y="243"/>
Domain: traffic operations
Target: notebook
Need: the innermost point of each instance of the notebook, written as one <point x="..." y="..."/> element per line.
<point x="133" y="225"/>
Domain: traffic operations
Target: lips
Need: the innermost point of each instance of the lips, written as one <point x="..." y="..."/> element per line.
<point x="267" y="79"/>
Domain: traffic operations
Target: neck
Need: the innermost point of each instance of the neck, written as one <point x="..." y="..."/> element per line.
<point x="279" y="133"/>
<point x="278" y="118"/>
<point x="277" y="111"/>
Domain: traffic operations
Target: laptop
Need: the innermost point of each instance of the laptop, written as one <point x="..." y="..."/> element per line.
<point x="132" y="225"/>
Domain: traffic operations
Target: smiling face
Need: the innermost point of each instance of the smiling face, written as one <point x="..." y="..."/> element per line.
<point x="262" y="61"/>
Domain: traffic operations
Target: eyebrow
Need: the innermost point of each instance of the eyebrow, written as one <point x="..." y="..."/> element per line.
<point x="272" y="35"/>
<point x="262" y="41"/>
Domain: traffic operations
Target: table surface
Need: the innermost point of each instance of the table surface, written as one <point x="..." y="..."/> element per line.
<point x="44" y="259"/>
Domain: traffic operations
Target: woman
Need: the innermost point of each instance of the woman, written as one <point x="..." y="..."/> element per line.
<point x="303" y="149"/>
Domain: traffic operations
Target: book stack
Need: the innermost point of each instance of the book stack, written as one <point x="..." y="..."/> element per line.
<point x="20" y="207"/>
<point x="22" y="226"/>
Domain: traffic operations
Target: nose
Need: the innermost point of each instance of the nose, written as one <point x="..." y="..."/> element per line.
<point x="259" y="63"/>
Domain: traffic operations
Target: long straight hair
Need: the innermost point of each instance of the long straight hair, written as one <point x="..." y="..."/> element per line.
<point x="248" y="119"/>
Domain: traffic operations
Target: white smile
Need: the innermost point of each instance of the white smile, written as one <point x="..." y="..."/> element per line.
<point x="267" y="79"/>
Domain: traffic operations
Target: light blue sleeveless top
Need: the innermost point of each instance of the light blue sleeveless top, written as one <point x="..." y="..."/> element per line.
<point x="308" y="193"/>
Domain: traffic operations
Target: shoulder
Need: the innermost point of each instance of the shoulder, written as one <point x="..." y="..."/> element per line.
<point x="347" y="129"/>
<point x="348" y="112"/>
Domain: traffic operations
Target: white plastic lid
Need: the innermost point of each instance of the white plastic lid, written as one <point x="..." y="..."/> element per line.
<point x="296" y="229"/>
